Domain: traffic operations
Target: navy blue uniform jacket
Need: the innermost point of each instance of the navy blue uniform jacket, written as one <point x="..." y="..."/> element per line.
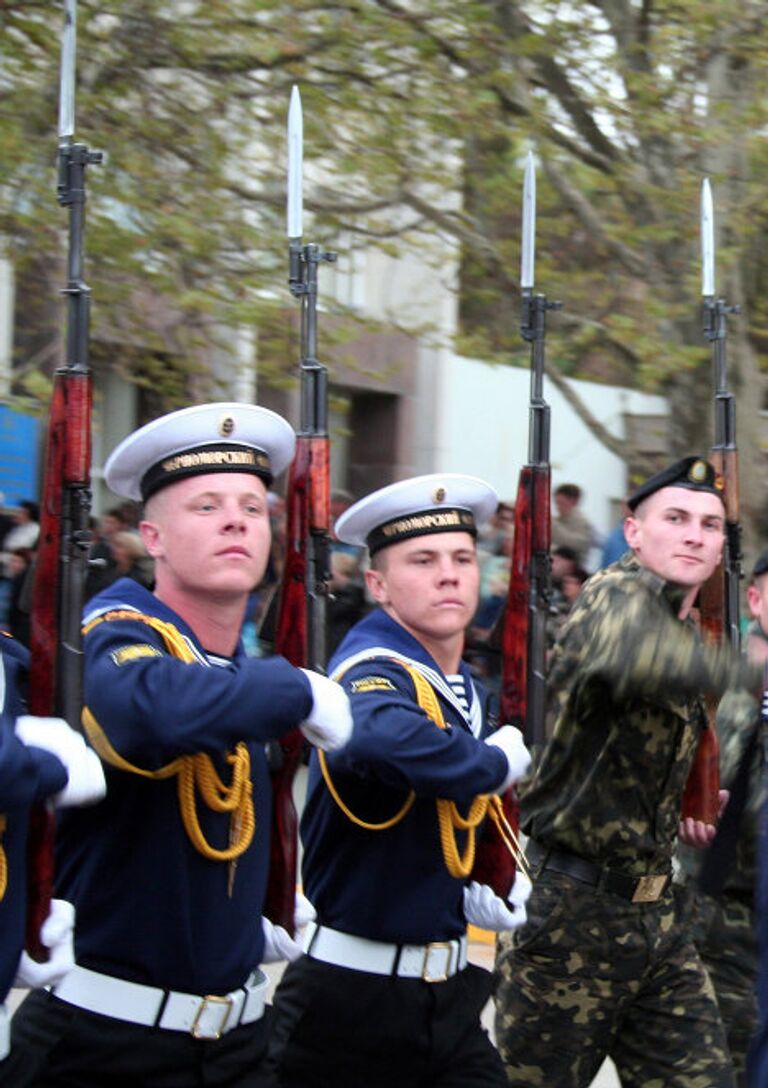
<point x="150" y="907"/>
<point x="27" y="777"/>
<point x="393" y="885"/>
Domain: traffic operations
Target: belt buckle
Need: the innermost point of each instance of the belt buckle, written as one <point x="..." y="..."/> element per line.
<point x="445" y="946"/>
<point x="212" y="999"/>
<point x="649" y="888"/>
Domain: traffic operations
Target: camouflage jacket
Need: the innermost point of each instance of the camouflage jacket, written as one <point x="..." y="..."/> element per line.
<point x="736" y="718"/>
<point x="625" y="713"/>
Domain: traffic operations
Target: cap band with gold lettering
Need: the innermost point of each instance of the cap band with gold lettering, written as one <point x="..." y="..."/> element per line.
<point x="226" y="457"/>
<point x="422" y="523"/>
<point x="423" y="505"/>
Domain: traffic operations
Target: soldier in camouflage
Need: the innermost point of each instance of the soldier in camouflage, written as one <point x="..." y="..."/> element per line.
<point x="724" y="926"/>
<point x="605" y="964"/>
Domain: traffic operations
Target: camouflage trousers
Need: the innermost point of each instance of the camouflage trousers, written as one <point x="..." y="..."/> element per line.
<point x="590" y="975"/>
<point x="723" y="930"/>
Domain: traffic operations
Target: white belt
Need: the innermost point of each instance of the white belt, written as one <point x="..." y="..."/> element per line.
<point x="207" y="1017"/>
<point x="434" y="962"/>
<point x="5" y="1032"/>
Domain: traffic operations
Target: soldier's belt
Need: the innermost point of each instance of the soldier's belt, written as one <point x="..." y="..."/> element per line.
<point x="207" y="1017"/>
<point x="434" y="962"/>
<point x="642" y="889"/>
<point x="5" y="1033"/>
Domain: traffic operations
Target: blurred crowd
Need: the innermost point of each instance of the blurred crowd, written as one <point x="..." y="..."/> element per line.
<point x="577" y="550"/>
<point x="117" y="551"/>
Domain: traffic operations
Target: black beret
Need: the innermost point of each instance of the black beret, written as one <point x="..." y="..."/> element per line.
<point x="693" y="473"/>
<point x="761" y="565"/>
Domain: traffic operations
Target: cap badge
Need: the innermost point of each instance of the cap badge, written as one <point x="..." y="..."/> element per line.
<point x="698" y="472"/>
<point x="438" y="495"/>
<point x="226" y="426"/>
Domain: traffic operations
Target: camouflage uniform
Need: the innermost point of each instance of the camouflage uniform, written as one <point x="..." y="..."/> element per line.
<point x="593" y="973"/>
<point x="724" y="927"/>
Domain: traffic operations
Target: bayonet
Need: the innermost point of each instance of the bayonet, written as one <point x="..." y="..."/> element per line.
<point x="707" y="241"/>
<point x="528" y="253"/>
<point x="295" y="204"/>
<point x="295" y="165"/>
<point x="67" y="84"/>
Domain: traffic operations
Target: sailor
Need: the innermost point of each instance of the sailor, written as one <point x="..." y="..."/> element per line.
<point x="384" y="994"/>
<point x="168" y="873"/>
<point x="42" y="761"/>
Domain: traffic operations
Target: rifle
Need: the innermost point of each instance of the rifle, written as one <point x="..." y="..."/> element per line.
<point x="523" y="680"/>
<point x="55" y="675"/>
<point x="301" y="618"/>
<point x="719" y="596"/>
<point x="523" y="621"/>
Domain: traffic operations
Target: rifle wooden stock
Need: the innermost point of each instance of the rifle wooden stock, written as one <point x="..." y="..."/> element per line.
<point x="307" y="521"/>
<point x="523" y="629"/>
<point x="55" y="680"/>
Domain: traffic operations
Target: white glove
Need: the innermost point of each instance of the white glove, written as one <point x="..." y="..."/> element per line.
<point x="521" y="890"/>
<point x="56" y="934"/>
<point x="510" y="740"/>
<point x="329" y="724"/>
<point x="483" y="908"/>
<point x="278" y="944"/>
<point x="303" y="911"/>
<point x="86" y="777"/>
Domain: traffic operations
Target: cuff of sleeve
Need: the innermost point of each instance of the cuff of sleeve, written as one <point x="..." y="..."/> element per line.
<point x="52" y="775"/>
<point x="505" y="773"/>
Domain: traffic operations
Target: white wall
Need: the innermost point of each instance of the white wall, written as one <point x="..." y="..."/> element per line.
<point x="483" y="430"/>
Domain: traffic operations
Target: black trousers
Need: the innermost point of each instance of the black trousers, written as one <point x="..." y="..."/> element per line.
<point x="56" y="1045"/>
<point x="337" y="1028"/>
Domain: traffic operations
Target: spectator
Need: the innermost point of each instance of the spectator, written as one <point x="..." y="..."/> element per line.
<point x="567" y="580"/>
<point x="347" y="602"/>
<point x="102" y="570"/>
<point x="491" y="538"/>
<point x="570" y="527"/>
<point x="6" y="520"/>
<point x="129" y="513"/>
<point x="20" y="569"/>
<point x="131" y="558"/>
<point x="341" y="500"/>
<point x="25" y="531"/>
<point x="615" y="543"/>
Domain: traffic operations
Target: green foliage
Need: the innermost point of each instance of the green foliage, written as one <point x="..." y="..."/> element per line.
<point x="406" y="107"/>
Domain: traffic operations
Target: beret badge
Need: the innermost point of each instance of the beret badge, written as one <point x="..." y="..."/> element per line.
<point x="697" y="473"/>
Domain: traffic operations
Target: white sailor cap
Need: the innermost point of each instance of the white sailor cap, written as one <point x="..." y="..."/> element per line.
<point x="220" y="437"/>
<point x="437" y="503"/>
